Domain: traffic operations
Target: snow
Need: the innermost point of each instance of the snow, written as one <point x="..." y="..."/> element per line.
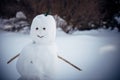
<point x="117" y="19"/>
<point x="20" y="14"/>
<point x="16" y="24"/>
<point x="39" y="58"/>
<point x="46" y="29"/>
<point x="96" y="52"/>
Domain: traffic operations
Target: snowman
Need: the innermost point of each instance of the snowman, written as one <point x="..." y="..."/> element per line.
<point x="37" y="60"/>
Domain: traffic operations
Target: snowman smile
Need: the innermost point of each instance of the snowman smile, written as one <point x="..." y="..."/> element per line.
<point x="40" y="36"/>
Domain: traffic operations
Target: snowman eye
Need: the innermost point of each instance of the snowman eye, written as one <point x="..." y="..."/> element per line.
<point x="44" y="28"/>
<point x="36" y="28"/>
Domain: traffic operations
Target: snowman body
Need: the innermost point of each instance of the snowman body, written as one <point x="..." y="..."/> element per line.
<point x="37" y="60"/>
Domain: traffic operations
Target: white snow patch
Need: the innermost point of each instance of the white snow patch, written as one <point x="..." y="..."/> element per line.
<point x="107" y="49"/>
<point x="20" y="15"/>
<point x="117" y="19"/>
<point x="82" y="48"/>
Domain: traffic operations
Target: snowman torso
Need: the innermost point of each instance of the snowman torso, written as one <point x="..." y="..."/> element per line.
<point x="37" y="61"/>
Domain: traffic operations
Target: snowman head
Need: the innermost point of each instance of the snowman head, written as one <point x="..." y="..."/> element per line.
<point x="43" y="29"/>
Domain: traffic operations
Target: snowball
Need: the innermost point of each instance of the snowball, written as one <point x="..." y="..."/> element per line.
<point x="43" y="29"/>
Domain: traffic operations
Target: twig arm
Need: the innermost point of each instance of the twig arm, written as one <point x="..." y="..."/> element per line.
<point x="57" y="56"/>
<point x="13" y="58"/>
<point x="69" y="63"/>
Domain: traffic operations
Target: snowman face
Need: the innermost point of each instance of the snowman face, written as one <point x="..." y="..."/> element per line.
<point x="43" y="29"/>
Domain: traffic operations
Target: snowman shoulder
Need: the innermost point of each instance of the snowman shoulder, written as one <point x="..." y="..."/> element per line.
<point x="28" y="48"/>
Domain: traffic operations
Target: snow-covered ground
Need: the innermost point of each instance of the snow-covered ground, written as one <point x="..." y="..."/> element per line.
<point x="96" y="52"/>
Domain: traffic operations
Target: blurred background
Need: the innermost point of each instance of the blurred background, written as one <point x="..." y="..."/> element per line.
<point x="70" y="15"/>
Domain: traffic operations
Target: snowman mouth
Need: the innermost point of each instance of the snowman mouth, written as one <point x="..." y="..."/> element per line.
<point x="40" y="36"/>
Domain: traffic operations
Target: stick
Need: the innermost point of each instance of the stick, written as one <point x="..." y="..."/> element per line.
<point x="69" y="63"/>
<point x="13" y="58"/>
<point x="57" y="56"/>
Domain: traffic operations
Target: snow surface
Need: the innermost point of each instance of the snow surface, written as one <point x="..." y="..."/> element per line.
<point x="96" y="52"/>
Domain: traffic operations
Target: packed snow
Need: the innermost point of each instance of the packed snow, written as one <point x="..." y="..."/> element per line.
<point x="96" y="52"/>
<point x="18" y="23"/>
<point x="37" y="60"/>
